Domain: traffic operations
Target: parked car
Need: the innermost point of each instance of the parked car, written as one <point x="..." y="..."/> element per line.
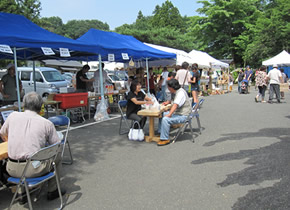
<point x="48" y="80"/>
<point x="116" y="81"/>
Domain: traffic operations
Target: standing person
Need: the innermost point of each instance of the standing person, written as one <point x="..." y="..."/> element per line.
<point x="151" y="82"/>
<point x="8" y="86"/>
<point x="27" y="132"/>
<point x="275" y="78"/>
<point x="194" y="84"/>
<point x="183" y="76"/>
<point x="231" y="82"/>
<point x="82" y="79"/>
<point x="135" y="99"/>
<point x="240" y="79"/>
<point x="162" y="84"/>
<point x="248" y="75"/>
<point x="284" y="80"/>
<point x="169" y="95"/>
<point x="97" y="83"/>
<point x="261" y="82"/>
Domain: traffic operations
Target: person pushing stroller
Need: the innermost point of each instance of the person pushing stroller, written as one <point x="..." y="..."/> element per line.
<point x="244" y="86"/>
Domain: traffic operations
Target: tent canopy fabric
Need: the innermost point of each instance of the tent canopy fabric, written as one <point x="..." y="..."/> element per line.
<point x="114" y="43"/>
<point x="17" y="31"/>
<point x="181" y="56"/>
<point x="282" y="59"/>
<point x="203" y="57"/>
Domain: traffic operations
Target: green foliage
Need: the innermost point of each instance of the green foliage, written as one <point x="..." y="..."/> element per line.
<point x="53" y="24"/>
<point x="76" y="28"/>
<point x="28" y="8"/>
<point x="168" y="16"/>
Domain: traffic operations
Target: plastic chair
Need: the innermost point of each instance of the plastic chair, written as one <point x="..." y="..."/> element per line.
<point x="58" y="121"/>
<point x="188" y="121"/>
<point x="123" y="104"/>
<point x="47" y="153"/>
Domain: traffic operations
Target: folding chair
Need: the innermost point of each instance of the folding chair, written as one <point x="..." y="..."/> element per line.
<point x="5" y="114"/>
<point x="64" y="121"/>
<point x="47" y="153"/>
<point x="188" y="121"/>
<point x="122" y="104"/>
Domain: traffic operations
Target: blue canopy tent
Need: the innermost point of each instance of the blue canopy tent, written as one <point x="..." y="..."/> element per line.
<point x="26" y="39"/>
<point x="114" y="43"/>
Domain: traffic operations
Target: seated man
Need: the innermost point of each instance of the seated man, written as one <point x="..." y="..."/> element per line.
<point x="178" y="113"/>
<point x="27" y="132"/>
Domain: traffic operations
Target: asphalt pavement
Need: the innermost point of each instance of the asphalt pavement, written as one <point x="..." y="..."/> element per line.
<point x="240" y="161"/>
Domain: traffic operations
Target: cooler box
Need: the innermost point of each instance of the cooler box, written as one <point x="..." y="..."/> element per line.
<point x="72" y="100"/>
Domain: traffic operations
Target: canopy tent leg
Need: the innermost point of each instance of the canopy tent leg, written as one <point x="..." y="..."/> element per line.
<point x="101" y="78"/>
<point x="17" y="80"/>
<point x="147" y="70"/>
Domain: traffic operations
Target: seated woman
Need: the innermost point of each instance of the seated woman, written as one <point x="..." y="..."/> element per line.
<point x="135" y="99"/>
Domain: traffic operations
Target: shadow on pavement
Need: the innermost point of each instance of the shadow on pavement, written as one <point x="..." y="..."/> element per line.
<point x="266" y="163"/>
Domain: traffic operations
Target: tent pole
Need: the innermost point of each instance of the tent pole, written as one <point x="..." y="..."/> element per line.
<point x="147" y="70"/>
<point x="101" y="78"/>
<point x="17" y="80"/>
<point x="34" y="82"/>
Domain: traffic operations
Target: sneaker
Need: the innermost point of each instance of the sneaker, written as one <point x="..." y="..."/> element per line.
<point x="22" y="198"/>
<point x="263" y="101"/>
<point x="270" y="102"/>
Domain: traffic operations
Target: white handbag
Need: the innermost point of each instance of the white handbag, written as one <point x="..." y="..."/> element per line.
<point x="136" y="134"/>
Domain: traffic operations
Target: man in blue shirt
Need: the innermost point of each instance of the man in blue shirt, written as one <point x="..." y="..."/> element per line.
<point x="248" y="75"/>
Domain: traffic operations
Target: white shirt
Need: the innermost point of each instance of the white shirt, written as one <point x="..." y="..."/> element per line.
<point x="274" y="76"/>
<point x="27" y="133"/>
<point x="180" y="76"/>
<point x="180" y="98"/>
<point x="164" y="76"/>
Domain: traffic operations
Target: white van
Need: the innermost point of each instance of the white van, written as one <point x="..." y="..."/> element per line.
<point x="48" y="80"/>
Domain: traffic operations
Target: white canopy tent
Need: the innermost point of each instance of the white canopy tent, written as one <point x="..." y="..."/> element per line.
<point x="206" y="59"/>
<point x="282" y="59"/>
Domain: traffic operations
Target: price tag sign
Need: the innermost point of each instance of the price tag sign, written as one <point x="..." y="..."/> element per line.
<point x="47" y="51"/>
<point x="64" y="52"/>
<point x="125" y="56"/>
<point x="111" y="57"/>
<point x="5" y="49"/>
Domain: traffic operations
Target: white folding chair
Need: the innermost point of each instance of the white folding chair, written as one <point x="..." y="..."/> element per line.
<point x="188" y="121"/>
<point x="63" y="121"/>
<point x="47" y="153"/>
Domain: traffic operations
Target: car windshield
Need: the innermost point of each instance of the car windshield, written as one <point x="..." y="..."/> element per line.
<point x="52" y="76"/>
<point x="115" y="78"/>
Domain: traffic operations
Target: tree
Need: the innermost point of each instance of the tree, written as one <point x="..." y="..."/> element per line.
<point x="53" y="24"/>
<point x="9" y="6"/>
<point x="222" y="23"/>
<point x="168" y="16"/>
<point x="76" y="28"/>
<point x="30" y="9"/>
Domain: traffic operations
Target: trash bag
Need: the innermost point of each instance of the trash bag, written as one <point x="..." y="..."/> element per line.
<point x="101" y="112"/>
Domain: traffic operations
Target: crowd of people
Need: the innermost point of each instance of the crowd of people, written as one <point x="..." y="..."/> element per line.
<point x="263" y="80"/>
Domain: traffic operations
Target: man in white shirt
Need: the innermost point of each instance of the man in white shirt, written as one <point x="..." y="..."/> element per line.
<point x="275" y="78"/>
<point x="162" y="84"/>
<point x="178" y="113"/>
<point x="27" y="132"/>
<point x="183" y="76"/>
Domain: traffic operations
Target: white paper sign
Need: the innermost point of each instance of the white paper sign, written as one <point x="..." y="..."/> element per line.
<point x="47" y="51"/>
<point x="111" y="57"/>
<point x="5" y="49"/>
<point x="64" y="52"/>
<point x="125" y="56"/>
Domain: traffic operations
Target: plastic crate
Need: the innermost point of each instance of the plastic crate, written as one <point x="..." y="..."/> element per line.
<point x="72" y="100"/>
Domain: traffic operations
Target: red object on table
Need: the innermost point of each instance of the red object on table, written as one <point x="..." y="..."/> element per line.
<point x="72" y="100"/>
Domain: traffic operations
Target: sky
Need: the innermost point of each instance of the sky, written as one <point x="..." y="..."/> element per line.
<point x="113" y="12"/>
